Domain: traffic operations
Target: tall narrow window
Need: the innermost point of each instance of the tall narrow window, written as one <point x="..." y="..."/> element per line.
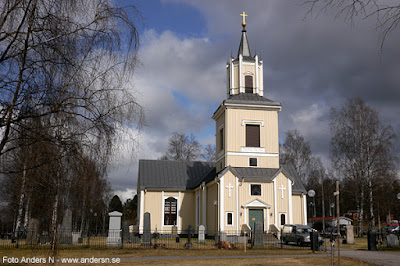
<point x="283" y="219"/>
<point x="248" y="84"/>
<point x="170" y="210"/>
<point x="229" y="218"/>
<point x="221" y="139"/>
<point x="252" y="135"/>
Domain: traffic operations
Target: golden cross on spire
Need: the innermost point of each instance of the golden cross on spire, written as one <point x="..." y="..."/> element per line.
<point x="244" y="15"/>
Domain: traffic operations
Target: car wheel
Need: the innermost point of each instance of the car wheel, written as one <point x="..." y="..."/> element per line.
<point x="299" y="243"/>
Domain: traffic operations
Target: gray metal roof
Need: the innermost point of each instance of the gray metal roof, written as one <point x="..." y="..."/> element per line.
<point x="250" y="98"/>
<point x="173" y="175"/>
<point x="244" y="48"/>
<point x="180" y="175"/>
<point x="268" y="174"/>
<point x="298" y="186"/>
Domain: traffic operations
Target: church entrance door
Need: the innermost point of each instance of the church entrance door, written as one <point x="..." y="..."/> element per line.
<point x="255" y="215"/>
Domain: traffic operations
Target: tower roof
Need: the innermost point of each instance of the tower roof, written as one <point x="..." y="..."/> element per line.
<point x="244" y="48"/>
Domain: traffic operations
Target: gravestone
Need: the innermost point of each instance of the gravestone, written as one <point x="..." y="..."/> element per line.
<point x="258" y="234"/>
<point x="146" y="237"/>
<point x="392" y="241"/>
<point x="201" y="237"/>
<point x="114" y="229"/>
<point x="125" y="232"/>
<point x="174" y="231"/>
<point x="222" y="236"/>
<point x="76" y="236"/>
<point x="32" y="232"/>
<point x="65" y="230"/>
<point x="349" y="234"/>
<point x="189" y="239"/>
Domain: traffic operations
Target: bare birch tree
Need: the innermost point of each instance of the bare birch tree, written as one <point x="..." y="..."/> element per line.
<point x="182" y="148"/>
<point x="386" y="13"/>
<point x="297" y="151"/>
<point x="361" y="151"/>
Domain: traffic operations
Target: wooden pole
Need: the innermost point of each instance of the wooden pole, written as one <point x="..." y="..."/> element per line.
<point x="338" y="218"/>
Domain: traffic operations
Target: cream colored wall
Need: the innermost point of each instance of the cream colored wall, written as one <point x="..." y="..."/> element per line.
<point x="187" y="213"/>
<point x="298" y="209"/>
<point x="153" y="205"/>
<point x="236" y="78"/>
<point x="212" y="195"/>
<point x="230" y="202"/>
<point x="282" y="205"/>
<point x="235" y="135"/>
<point x="154" y="201"/>
<point x="267" y="196"/>
<point x="243" y="161"/>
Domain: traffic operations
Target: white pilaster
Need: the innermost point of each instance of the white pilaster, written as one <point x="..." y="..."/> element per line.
<point x="305" y="208"/>
<point x="197" y="205"/>
<point x="204" y="216"/>
<point x="221" y="204"/>
<point x="290" y="201"/>
<point x="261" y="88"/>
<point x="237" y="204"/>
<point x="179" y="211"/>
<point x="232" y="75"/>
<point x="275" y="210"/>
<point x="141" y="212"/>
<point x="267" y="213"/>
<point x="162" y="210"/>
<point x="241" y="89"/>
<point x="256" y="74"/>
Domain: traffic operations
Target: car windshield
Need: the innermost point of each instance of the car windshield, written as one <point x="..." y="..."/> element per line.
<point x="304" y="230"/>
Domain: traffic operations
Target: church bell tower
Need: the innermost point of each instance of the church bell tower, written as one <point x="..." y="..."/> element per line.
<point x="245" y="72"/>
<point x="246" y="122"/>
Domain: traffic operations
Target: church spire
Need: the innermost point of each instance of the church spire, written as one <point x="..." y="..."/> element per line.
<point x="244" y="48"/>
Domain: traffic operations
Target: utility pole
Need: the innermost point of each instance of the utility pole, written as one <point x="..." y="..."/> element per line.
<point x="337" y="217"/>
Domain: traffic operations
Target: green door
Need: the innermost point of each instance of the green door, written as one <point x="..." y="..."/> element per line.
<point x="255" y="215"/>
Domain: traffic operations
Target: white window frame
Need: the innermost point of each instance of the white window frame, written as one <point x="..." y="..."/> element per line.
<point x="250" y="190"/>
<point x="177" y="211"/>
<point x="256" y="162"/>
<point x="233" y="219"/>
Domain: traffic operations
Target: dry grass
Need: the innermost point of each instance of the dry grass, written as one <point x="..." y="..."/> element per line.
<point x="315" y="261"/>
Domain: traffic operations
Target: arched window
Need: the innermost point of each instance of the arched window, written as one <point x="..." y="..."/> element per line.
<point x="248" y="84"/>
<point x="170" y="210"/>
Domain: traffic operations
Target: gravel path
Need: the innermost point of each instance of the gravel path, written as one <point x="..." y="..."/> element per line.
<point x="374" y="257"/>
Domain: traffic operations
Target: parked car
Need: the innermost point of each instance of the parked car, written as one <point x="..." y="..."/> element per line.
<point x="299" y="234"/>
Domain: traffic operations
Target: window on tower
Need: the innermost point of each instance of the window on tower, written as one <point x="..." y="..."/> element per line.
<point x="252" y="135"/>
<point x="248" y="84"/>
<point x="221" y="140"/>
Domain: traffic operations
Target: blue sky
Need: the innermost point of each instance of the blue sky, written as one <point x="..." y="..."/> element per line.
<point x="311" y="63"/>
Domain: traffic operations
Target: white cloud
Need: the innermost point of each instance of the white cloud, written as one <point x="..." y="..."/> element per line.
<point x="176" y="82"/>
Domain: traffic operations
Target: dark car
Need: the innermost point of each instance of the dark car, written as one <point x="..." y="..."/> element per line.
<point x="297" y="233"/>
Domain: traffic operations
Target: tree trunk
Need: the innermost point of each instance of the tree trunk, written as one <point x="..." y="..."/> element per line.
<point x="21" y="203"/>
<point x="54" y="220"/>
<point x="361" y="218"/>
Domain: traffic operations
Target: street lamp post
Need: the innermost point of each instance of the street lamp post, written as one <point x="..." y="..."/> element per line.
<point x="311" y="194"/>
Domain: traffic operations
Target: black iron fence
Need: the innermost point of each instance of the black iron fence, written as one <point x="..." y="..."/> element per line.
<point x="160" y="239"/>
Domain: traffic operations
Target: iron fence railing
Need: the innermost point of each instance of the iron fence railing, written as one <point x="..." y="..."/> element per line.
<point x="68" y="239"/>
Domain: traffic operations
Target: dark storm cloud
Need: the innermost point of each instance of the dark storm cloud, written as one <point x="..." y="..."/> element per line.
<point x="313" y="61"/>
